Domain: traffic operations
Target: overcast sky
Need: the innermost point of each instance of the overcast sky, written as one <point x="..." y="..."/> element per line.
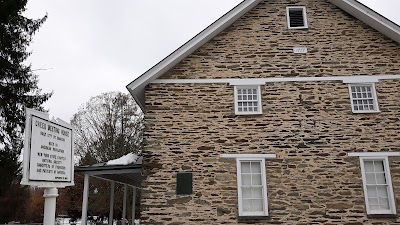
<point x="87" y="47"/>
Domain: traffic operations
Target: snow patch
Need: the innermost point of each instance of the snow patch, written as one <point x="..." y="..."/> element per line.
<point x="124" y="160"/>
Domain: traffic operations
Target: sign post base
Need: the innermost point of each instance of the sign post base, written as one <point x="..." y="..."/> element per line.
<point x="50" y="195"/>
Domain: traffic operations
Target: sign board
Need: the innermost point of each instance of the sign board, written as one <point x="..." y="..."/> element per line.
<point x="300" y="50"/>
<point x="48" y="151"/>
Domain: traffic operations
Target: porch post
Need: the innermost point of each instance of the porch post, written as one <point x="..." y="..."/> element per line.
<point x="85" y="199"/>
<point x="133" y="204"/>
<point x="111" y="215"/>
<point x="124" y="204"/>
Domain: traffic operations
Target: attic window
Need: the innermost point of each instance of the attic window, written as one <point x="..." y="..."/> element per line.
<point x="296" y="17"/>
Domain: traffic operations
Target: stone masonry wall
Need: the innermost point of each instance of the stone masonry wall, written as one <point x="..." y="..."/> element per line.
<point x="309" y="125"/>
<point x="260" y="45"/>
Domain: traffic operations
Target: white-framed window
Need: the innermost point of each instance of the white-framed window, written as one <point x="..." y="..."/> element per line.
<point x="377" y="185"/>
<point x="363" y="98"/>
<point x="296" y="17"/>
<point x="252" y="187"/>
<point x="247" y="100"/>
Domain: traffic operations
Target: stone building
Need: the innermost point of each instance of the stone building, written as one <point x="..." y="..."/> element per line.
<point x="280" y="112"/>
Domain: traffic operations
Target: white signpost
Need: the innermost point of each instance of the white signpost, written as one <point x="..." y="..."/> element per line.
<point x="48" y="158"/>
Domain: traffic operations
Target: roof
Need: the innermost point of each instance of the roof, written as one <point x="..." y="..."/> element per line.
<point x="353" y="7"/>
<point x="126" y="174"/>
<point x="370" y="17"/>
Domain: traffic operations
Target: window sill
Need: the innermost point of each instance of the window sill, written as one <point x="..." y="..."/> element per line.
<point x="365" y="112"/>
<point x="381" y="216"/>
<point x="248" y="114"/>
<point x="297" y="28"/>
<point x="252" y="218"/>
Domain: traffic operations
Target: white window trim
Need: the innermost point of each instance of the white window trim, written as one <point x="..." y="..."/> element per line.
<point x="373" y="154"/>
<point x="258" y="96"/>
<point x="392" y="204"/>
<point x="264" y="187"/>
<point x="303" y="8"/>
<point x="375" y="97"/>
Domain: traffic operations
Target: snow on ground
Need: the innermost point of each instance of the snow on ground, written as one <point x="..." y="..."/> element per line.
<point x="124" y="160"/>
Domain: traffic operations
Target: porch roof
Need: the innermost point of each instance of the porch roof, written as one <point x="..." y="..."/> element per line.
<point x="130" y="174"/>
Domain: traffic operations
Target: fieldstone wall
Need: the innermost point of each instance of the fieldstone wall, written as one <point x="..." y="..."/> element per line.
<point x="309" y="125"/>
<point x="260" y="45"/>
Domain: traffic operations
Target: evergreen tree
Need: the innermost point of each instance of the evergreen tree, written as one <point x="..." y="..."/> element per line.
<point x="18" y="85"/>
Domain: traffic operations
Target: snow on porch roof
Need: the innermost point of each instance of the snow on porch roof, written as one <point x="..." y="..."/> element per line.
<point x="130" y="174"/>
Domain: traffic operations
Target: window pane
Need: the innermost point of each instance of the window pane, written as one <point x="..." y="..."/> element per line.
<point x="370" y="178"/>
<point x="384" y="203"/>
<point x="382" y="191"/>
<point x="246" y="192"/>
<point x="378" y="166"/>
<point x="371" y="191"/>
<point x="373" y="201"/>
<point x="239" y="91"/>
<point x="244" y="91"/>
<point x="380" y="178"/>
<point x="250" y="97"/>
<point x="257" y="192"/>
<point x="255" y="97"/>
<point x="369" y="166"/>
<point x="255" y="167"/>
<point x="244" y="97"/>
<point x="257" y="205"/>
<point x="246" y="179"/>
<point x="239" y="97"/>
<point x="256" y="179"/>
<point x="249" y="91"/>
<point x="247" y="206"/>
<point x="245" y="167"/>
<point x="374" y="207"/>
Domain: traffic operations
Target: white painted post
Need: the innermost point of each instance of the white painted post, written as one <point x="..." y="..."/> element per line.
<point x="133" y="204"/>
<point x="124" y="204"/>
<point x="85" y="199"/>
<point x="111" y="216"/>
<point x="50" y="195"/>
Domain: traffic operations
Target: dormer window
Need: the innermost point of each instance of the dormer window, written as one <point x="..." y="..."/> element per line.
<point x="296" y="17"/>
<point x="247" y="100"/>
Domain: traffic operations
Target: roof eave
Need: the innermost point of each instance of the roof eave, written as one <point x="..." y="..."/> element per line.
<point x="370" y="17"/>
<point x="136" y="87"/>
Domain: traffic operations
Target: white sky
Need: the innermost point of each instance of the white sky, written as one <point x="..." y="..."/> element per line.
<point x="87" y="47"/>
